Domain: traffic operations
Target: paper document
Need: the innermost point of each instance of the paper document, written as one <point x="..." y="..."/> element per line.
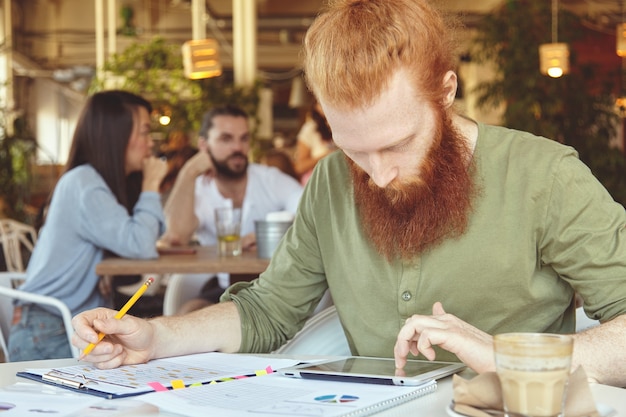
<point x="279" y="396"/>
<point x="158" y="374"/>
<point x="31" y="399"/>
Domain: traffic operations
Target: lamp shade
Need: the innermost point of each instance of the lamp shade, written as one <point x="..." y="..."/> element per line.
<point x="620" y="43"/>
<point x="201" y="59"/>
<point x="554" y="59"/>
<point x="297" y="96"/>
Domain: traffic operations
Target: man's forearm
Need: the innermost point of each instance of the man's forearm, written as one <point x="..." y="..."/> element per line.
<point x="601" y="351"/>
<point x="216" y="328"/>
<point x="179" y="213"/>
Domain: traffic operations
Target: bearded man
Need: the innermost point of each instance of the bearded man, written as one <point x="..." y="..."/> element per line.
<point x="219" y="175"/>
<point x="433" y="232"/>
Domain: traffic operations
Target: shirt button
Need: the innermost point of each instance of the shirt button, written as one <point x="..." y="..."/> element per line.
<point x="406" y="296"/>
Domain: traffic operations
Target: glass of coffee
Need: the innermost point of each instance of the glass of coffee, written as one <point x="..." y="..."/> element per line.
<point x="533" y="369"/>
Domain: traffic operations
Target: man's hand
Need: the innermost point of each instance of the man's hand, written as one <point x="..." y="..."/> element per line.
<point x="420" y="333"/>
<point x="128" y="340"/>
<point x="248" y="242"/>
<point x="199" y="164"/>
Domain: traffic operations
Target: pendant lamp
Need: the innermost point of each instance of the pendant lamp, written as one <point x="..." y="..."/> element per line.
<point x="554" y="57"/>
<point x="201" y="59"/>
<point x="620" y="35"/>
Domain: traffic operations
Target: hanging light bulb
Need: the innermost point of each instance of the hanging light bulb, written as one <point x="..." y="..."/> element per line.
<point x="620" y="46"/>
<point x="620" y="38"/>
<point x="554" y="57"/>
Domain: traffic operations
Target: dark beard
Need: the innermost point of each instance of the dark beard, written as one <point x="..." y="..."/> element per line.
<point x="223" y="170"/>
<point x="407" y="218"/>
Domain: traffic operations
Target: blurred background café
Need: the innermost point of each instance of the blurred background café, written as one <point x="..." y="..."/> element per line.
<point x="551" y="67"/>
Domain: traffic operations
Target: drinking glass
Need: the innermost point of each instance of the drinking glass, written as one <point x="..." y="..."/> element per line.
<point x="228" y="226"/>
<point x="533" y="369"/>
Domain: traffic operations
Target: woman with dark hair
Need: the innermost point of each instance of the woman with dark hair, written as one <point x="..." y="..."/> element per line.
<point x="107" y="200"/>
<point x="314" y="141"/>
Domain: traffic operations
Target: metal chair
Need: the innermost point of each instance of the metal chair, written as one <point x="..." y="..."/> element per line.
<point x="322" y="334"/>
<point x="14" y="235"/>
<point x="8" y="293"/>
<point x="583" y="322"/>
<point x="181" y="288"/>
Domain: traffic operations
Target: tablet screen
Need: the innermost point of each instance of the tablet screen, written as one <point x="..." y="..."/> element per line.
<point x="383" y="367"/>
<point x="375" y="370"/>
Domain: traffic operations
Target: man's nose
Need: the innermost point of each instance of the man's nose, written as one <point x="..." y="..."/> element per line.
<point x="238" y="145"/>
<point x="382" y="171"/>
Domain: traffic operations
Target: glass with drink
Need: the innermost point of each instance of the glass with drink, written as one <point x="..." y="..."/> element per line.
<point x="533" y="369"/>
<point x="228" y="226"/>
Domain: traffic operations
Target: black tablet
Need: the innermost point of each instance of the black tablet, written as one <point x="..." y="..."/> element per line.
<point x="374" y="371"/>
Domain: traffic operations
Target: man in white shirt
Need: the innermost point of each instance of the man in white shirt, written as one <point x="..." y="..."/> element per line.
<point x="219" y="175"/>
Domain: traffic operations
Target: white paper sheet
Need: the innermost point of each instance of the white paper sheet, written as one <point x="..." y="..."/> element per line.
<point x="278" y="396"/>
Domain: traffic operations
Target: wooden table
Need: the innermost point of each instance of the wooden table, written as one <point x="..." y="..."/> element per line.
<point x="205" y="259"/>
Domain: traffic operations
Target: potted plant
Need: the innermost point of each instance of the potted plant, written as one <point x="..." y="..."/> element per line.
<point x="577" y="109"/>
<point x="17" y="151"/>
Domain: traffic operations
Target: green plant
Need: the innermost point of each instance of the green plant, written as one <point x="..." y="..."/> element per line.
<point x="577" y="109"/>
<point x="154" y="70"/>
<point x="16" y="156"/>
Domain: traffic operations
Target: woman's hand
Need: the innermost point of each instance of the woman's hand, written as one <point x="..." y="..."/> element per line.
<point x="154" y="170"/>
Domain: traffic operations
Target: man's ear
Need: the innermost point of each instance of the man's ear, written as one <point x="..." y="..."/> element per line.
<point x="202" y="143"/>
<point x="450" y="84"/>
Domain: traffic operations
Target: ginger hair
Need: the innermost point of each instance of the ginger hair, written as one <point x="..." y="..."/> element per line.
<point x="354" y="47"/>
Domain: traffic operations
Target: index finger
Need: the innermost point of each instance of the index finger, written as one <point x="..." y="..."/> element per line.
<point x="410" y="336"/>
<point x="407" y="336"/>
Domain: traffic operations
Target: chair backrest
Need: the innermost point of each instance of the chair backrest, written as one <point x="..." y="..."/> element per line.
<point x="322" y="334"/>
<point x="14" y="235"/>
<point x="181" y="288"/>
<point x="583" y="322"/>
<point x="8" y="293"/>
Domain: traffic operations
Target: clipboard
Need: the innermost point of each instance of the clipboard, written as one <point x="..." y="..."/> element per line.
<point x="159" y="374"/>
<point x="79" y="383"/>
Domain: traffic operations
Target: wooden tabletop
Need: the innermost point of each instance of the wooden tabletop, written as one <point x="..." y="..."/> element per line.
<point x="205" y="259"/>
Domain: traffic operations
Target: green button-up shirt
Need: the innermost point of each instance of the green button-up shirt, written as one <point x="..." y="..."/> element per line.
<point x="542" y="228"/>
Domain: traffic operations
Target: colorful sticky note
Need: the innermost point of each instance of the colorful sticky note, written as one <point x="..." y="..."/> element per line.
<point x="177" y="383"/>
<point x="157" y="386"/>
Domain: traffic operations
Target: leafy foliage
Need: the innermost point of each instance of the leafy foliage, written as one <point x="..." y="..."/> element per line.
<point x="155" y="70"/>
<point x="576" y="109"/>
<point x="16" y="155"/>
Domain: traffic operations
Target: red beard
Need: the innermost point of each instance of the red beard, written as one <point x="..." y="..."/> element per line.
<point x="410" y="216"/>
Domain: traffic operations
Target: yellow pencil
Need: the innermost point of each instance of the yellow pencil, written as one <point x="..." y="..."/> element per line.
<point x="120" y="314"/>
